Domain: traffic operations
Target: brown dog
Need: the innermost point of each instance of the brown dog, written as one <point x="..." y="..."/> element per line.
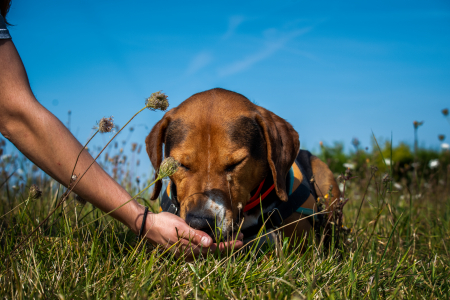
<point x="237" y="159"/>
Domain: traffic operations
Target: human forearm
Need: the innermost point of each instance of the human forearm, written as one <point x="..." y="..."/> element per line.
<point x="39" y="135"/>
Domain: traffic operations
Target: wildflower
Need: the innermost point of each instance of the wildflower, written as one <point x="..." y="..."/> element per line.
<point x="168" y="167"/>
<point x="321" y="144"/>
<point x="387" y="161"/>
<point x="355" y="142"/>
<point x="398" y="186"/>
<point x="349" y="165"/>
<point x="445" y="146"/>
<point x="348" y="174"/>
<point x="434" y="163"/>
<point x="445" y="111"/>
<point x="5" y="157"/>
<point x="105" y="124"/>
<point x="156" y="101"/>
<point x="417" y="124"/>
<point x="74" y="177"/>
<point x="133" y="147"/>
<point x="35" y="192"/>
<point x="386" y="178"/>
<point x="326" y="196"/>
<point x="441" y="137"/>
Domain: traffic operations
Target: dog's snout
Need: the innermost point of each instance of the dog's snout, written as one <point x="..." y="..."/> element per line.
<point x="200" y="222"/>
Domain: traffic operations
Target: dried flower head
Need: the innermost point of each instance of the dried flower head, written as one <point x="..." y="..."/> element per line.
<point x="168" y="167"/>
<point x="417" y="124"/>
<point x="445" y="111"/>
<point x="133" y="147"/>
<point x="105" y="124"/>
<point x="35" y="192"/>
<point x="355" y="143"/>
<point x="156" y="101"/>
<point x="386" y="178"/>
<point x="441" y="137"/>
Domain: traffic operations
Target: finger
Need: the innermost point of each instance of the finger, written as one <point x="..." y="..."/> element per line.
<point x="230" y="245"/>
<point x="198" y="237"/>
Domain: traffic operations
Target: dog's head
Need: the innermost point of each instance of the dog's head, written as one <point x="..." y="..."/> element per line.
<point x="226" y="146"/>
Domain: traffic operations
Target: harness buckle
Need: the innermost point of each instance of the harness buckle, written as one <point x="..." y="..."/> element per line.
<point x="170" y="207"/>
<point x="279" y="216"/>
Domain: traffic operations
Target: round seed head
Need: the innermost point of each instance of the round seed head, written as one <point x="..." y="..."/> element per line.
<point x="157" y="101"/>
<point x="441" y="137"/>
<point x="445" y="111"/>
<point x="417" y="124"/>
<point x="35" y="192"/>
<point x="105" y="124"/>
<point x="168" y="167"/>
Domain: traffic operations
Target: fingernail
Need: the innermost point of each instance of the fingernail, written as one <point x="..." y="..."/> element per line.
<point x="206" y="241"/>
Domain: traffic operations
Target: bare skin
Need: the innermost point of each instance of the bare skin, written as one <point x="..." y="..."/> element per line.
<point x="41" y="137"/>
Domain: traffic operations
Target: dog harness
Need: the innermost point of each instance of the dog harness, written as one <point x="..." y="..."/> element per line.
<point x="299" y="192"/>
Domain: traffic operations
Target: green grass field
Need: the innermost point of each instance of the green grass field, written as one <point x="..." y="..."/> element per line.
<point x="398" y="248"/>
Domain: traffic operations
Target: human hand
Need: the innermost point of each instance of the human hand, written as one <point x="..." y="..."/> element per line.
<point x="167" y="229"/>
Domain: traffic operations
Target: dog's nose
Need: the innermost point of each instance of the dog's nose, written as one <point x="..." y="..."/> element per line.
<point x="200" y="222"/>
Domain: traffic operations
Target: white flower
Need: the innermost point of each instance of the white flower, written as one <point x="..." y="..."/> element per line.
<point x="387" y="161"/>
<point x="349" y="165"/>
<point x="398" y="186"/>
<point x="434" y="163"/>
<point x="5" y="156"/>
<point x="445" y="146"/>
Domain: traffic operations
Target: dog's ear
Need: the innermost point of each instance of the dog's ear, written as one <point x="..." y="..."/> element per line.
<point x="153" y="144"/>
<point x="282" y="147"/>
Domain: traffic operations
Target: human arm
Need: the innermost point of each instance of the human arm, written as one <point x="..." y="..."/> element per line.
<point x="40" y="136"/>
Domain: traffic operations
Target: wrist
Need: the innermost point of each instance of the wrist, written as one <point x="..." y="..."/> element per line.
<point x="137" y="222"/>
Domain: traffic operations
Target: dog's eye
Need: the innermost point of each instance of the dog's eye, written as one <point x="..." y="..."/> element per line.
<point x="185" y="167"/>
<point x="230" y="168"/>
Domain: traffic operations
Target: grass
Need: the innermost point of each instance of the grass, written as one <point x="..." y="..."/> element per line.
<point x="398" y="246"/>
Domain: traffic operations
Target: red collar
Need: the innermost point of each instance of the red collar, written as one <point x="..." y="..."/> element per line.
<point x="257" y="197"/>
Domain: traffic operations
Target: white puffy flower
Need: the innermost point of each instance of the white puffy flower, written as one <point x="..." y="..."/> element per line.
<point x="387" y="161"/>
<point x="398" y="186"/>
<point x="445" y="146"/>
<point x="349" y="165"/>
<point x="434" y="163"/>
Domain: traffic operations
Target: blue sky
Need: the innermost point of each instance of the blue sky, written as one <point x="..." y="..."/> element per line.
<point x="334" y="70"/>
